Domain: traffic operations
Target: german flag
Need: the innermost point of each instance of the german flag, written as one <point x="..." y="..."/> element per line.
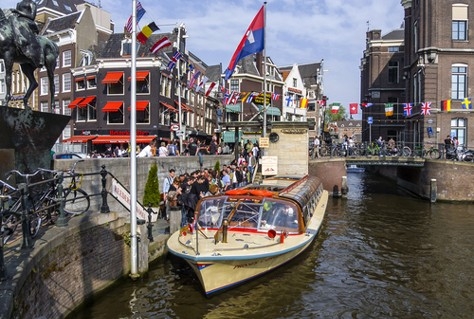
<point x="446" y="105"/>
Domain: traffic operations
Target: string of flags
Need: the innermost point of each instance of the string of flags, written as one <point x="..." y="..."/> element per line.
<point x="425" y="107"/>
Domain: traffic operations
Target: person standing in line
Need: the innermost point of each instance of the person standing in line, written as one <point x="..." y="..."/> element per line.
<point x="163" y="150"/>
<point x="147" y="151"/>
<point x="316" y="146"/>
<point x="166" y="188"/>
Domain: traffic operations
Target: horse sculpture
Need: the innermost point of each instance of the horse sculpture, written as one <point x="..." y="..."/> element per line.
<point x="10" y="53"/>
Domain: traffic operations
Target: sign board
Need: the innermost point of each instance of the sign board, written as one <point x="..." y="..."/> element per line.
<point x="264" y="142"/>
<point x="122" y="195"/>
<point x="370" y="120"/>
<point x="174" y="127"/>
<point x="269" y="165"/>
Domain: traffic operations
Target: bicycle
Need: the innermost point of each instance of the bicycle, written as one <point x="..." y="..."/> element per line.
<point x="15" y="209"/>
<point x="76" y="200"/>
<point x="432" y="153"/>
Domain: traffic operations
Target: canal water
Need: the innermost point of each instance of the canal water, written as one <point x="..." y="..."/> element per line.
<point x="381" y="254"/>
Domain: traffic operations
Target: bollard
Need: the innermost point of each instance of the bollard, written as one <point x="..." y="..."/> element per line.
<point x="150" y="225"/>
<point x="225" y="228"/>
<point x="62" y="220"/>
<point x="105" y="207"/>
<point x="344" y="187"/>
<point x="433" y="190"/>
<point x="25" y="218"/>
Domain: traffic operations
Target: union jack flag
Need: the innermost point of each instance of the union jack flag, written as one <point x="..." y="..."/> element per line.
<point x="407" y="107"/>
<point x="425" y="108"/>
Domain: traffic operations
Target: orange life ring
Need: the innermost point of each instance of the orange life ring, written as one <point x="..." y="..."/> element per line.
<point x="237" y="192"/>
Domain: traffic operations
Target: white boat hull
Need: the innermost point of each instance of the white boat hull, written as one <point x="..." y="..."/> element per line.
<point x="245" y="255"/>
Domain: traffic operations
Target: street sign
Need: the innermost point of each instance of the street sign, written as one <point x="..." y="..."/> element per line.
<point x="174" y="127"/>
<point x="370" y="120"/>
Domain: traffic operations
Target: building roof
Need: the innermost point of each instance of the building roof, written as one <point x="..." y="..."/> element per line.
<point x="113" y="46"/>
<point x="62" y="23"/>
<point x="214" y="72"/>
<point x="398" y="34"/>
<point x="308" y="72"/>
<point x="63" y="6"/>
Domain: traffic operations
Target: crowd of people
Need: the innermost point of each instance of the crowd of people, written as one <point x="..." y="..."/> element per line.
<point x="184" y="190"/>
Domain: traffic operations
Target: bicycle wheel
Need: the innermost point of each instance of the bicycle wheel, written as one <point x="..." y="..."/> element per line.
<point x="76" y="201"/>
<point x="406" y="151"/>
<point x="34" y="224"/>
<point x="434" y="154"/>
<point x="9" y="224"/>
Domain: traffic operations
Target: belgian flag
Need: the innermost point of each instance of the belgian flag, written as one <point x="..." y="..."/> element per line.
<point x="446" y="105"/>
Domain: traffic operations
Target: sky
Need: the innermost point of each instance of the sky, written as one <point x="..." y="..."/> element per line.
<point x="297" y="31"/>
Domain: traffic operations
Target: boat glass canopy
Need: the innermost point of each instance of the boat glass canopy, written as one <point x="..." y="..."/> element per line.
<point x="250" y="213"/>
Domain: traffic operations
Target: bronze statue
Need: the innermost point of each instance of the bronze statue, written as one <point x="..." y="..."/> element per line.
<point x="20" y="43"/>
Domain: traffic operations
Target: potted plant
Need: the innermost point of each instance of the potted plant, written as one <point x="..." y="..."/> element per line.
<point x="152" y="195"/>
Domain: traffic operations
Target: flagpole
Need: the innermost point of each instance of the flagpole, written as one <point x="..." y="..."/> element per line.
<point x="180" y="111"/>
<point x="264" y="71"/>
<point x="133" y="146"/>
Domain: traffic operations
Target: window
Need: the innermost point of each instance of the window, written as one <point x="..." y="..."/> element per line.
<point x="67" y="58"/>
<point x="234" y="85"/>
<point x="295" y="82"/>
<point x="91" y="82"/>
<point x="65" y="109"/>
<point x="393" y="49"/>
<point x="458" y="129"/>
<point x="44" y="84"/>
<point x="2" y="86"/>
<point x="67" y="82"/>
<point x="458" y="81"/>
<point x="44" y="107"/>
<point x="459" y="30"/>
<point x="2" y="67"/>
<point x="459" y="22"/>
<point x="66" y="132"/>
<point x="80" y="83"/>
<point x="393" y="72"/>
<point x="115" y="117"/>
<point x="56" y="83"/>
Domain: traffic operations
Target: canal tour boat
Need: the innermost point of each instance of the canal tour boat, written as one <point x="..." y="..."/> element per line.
<point x="246" y="232"/>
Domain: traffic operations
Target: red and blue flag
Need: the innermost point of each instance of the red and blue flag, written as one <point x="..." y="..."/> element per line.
<point x="252" y="42"/>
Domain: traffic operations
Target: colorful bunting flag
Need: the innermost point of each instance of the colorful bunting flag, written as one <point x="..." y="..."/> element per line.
<point x="275" y="97"/>
<point x="160" y="44"/>
<point x="425" y="108"/>
<point x="252" y="42"/>
<point x="353" y="108"/>
<point x="146" y="32"/>
<point x="289" y="101"/>
<point x="467" y="104"/>
<point x="209" y="89"/>
<point x="407" y="107"/>
<point x="388" y="109"/>
<point x="446" y="105"/>
<point x="335" y="108"/>
<point x="303" y="103"/>
<point x="140" y="14"/>
<point x="177" y="55"/>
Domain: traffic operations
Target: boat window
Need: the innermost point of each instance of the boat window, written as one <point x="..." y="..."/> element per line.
<point x="246" y="214"/>
<point x="210" y="212"/>
<point x="279" y="216"/>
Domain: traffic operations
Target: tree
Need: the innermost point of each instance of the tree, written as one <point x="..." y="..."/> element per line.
<point x="152" y="196"/>
<point x="334" y="117"/>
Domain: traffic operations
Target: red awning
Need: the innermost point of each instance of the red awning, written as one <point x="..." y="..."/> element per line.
<point x="141" y="75"/>
<point x="112" y="106"/>
<point x="119" y="139"/>
<point x="184" y="107"/>
<point x="79" y="79"/>
<point x="88" y="100"/>
<point x="141" y="105"/>
<point x="79" y="139"/>
<point x="74" y="103"/>
<point x="169" y="107"/>
<point x="112" y="77"/>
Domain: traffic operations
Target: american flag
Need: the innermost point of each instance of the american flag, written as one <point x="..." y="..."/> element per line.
<point x="407" y="107"/>
<point x="140" y="14"/>
<point x="425" y="108"/>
